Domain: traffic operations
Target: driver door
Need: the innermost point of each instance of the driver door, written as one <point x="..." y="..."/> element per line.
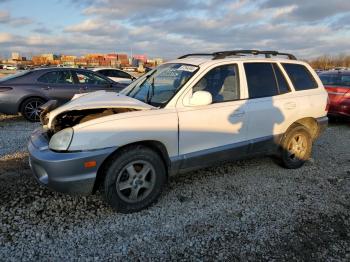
<point x="217" y="131"/>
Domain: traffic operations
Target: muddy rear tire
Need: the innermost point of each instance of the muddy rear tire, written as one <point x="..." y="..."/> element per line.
<point x="296" y="147"/>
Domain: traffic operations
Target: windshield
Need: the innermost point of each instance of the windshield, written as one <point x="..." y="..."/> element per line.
<point x="19" y="74"/>
<point x="159" y="85"/>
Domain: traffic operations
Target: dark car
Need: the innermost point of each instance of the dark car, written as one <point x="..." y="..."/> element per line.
<point x="337" y="84"/>
<point x="26" y="91"/>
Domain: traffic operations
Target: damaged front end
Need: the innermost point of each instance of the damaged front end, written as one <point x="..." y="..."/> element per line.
<point x="87" y="107"/>
<point x="75" y="117"/>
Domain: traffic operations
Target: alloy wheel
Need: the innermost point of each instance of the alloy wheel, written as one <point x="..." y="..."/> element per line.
<point x="135" y="181"/>
<point x="297" y="147"/>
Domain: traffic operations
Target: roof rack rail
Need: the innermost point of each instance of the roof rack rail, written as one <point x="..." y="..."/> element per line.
<point x="224" y="54"/>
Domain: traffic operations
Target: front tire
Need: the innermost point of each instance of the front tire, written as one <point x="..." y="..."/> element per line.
<point x="296" y="147"/>
<point x="30" y="109"/>
<point x="134" y="179"/>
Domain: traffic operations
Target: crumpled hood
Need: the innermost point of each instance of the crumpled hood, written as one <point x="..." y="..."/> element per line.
<point x="98" y="99"/>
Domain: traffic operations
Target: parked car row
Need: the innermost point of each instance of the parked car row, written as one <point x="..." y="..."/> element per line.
<point x="337" y="84"/>
<point x="26" y="91"/>
<point x="8" y="67"/>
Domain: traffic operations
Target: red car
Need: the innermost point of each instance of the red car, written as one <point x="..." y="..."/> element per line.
<point x="337" y="84"/>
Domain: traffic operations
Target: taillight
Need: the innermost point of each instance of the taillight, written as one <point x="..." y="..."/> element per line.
<point x="328" y="104"/>
<point x="3" y="89"/>
<point x="347" y="95"/>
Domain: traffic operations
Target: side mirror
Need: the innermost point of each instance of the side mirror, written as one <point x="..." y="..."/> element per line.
<point x="201" y="98"/>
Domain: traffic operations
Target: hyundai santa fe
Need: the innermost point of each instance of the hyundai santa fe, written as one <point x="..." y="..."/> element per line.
<point x="193" y="112"/>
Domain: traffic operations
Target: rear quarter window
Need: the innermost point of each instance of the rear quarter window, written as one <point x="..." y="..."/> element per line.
<point x="300" y="76"/>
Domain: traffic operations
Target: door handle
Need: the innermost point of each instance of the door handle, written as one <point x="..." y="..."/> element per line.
<point x="290" y="105"/>
<point x="83" y="88"/>
<point x="46" y="88"/>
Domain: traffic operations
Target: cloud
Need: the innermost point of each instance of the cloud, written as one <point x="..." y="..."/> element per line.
<point x="94" y="27"/>
<point x="136" y="8"/>
<point x="6" y="18"/>
<point x="310" y="10"/>
<point x="170" y="28"/>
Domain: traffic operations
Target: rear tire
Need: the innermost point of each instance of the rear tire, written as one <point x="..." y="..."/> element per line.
<point x="135" y="178"/>
<point x="296" y="147"/>
<point x="30" y="109"/>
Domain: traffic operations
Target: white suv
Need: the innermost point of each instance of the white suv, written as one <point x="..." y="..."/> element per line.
<point x="189" y="113"/>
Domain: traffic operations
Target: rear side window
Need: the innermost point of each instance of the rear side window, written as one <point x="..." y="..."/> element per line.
<point x="261" y="80"/>
<point x="300" y="77"/>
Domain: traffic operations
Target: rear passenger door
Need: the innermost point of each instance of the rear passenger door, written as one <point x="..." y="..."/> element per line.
<point x="271" y="104"/>
<point x="58" y="85"/>
<point x="312" y="100"/>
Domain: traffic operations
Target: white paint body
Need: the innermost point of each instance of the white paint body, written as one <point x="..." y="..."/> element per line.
<point x="184" y="128"/>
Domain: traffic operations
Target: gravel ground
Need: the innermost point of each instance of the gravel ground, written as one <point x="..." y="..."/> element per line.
<point x="247" y="210"/>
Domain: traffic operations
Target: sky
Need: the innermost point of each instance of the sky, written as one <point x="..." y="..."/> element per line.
<point x="170" y="28"/>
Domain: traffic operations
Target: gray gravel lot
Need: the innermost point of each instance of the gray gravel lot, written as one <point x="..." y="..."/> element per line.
<point x="246" y="210"/>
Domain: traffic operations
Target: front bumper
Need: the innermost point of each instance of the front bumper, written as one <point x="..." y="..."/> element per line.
<point x="64" y="172"/>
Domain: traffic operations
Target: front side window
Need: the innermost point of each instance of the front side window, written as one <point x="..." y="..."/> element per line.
<point x="261" y="80"/>
<point x="105" y="73"/>
<point x="222" y="82"/>
<point x="57" y="77"/>
<point x="122" y="74"/>
<point x="160" y="85"/>
<point x="300" y="76"/>
<point x="90" y="78"/>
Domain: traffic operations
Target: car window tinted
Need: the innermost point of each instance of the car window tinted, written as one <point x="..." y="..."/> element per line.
<point x="335" y="79"/>
<point x="283" y="86"/>
<point x="90" y="78"/>
<point x="114" y="73"/>
<point x="122" y="74"/>
<point x="222" y="82"/>
<point x="261" y="80"/>
<point x="300" y="77"/>
<point x="14" y="76"/>
<point x="57" y="77"/>
<point x="104" y="72"/>
<point x="345" y="80"/>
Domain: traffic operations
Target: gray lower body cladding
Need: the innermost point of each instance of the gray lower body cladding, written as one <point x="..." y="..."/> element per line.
<point x="64" y="172"/>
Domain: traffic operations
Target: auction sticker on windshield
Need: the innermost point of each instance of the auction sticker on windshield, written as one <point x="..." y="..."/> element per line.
<point x="187" y="68"/>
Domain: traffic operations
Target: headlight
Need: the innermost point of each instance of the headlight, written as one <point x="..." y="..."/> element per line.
<point x="61" y="140"/>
